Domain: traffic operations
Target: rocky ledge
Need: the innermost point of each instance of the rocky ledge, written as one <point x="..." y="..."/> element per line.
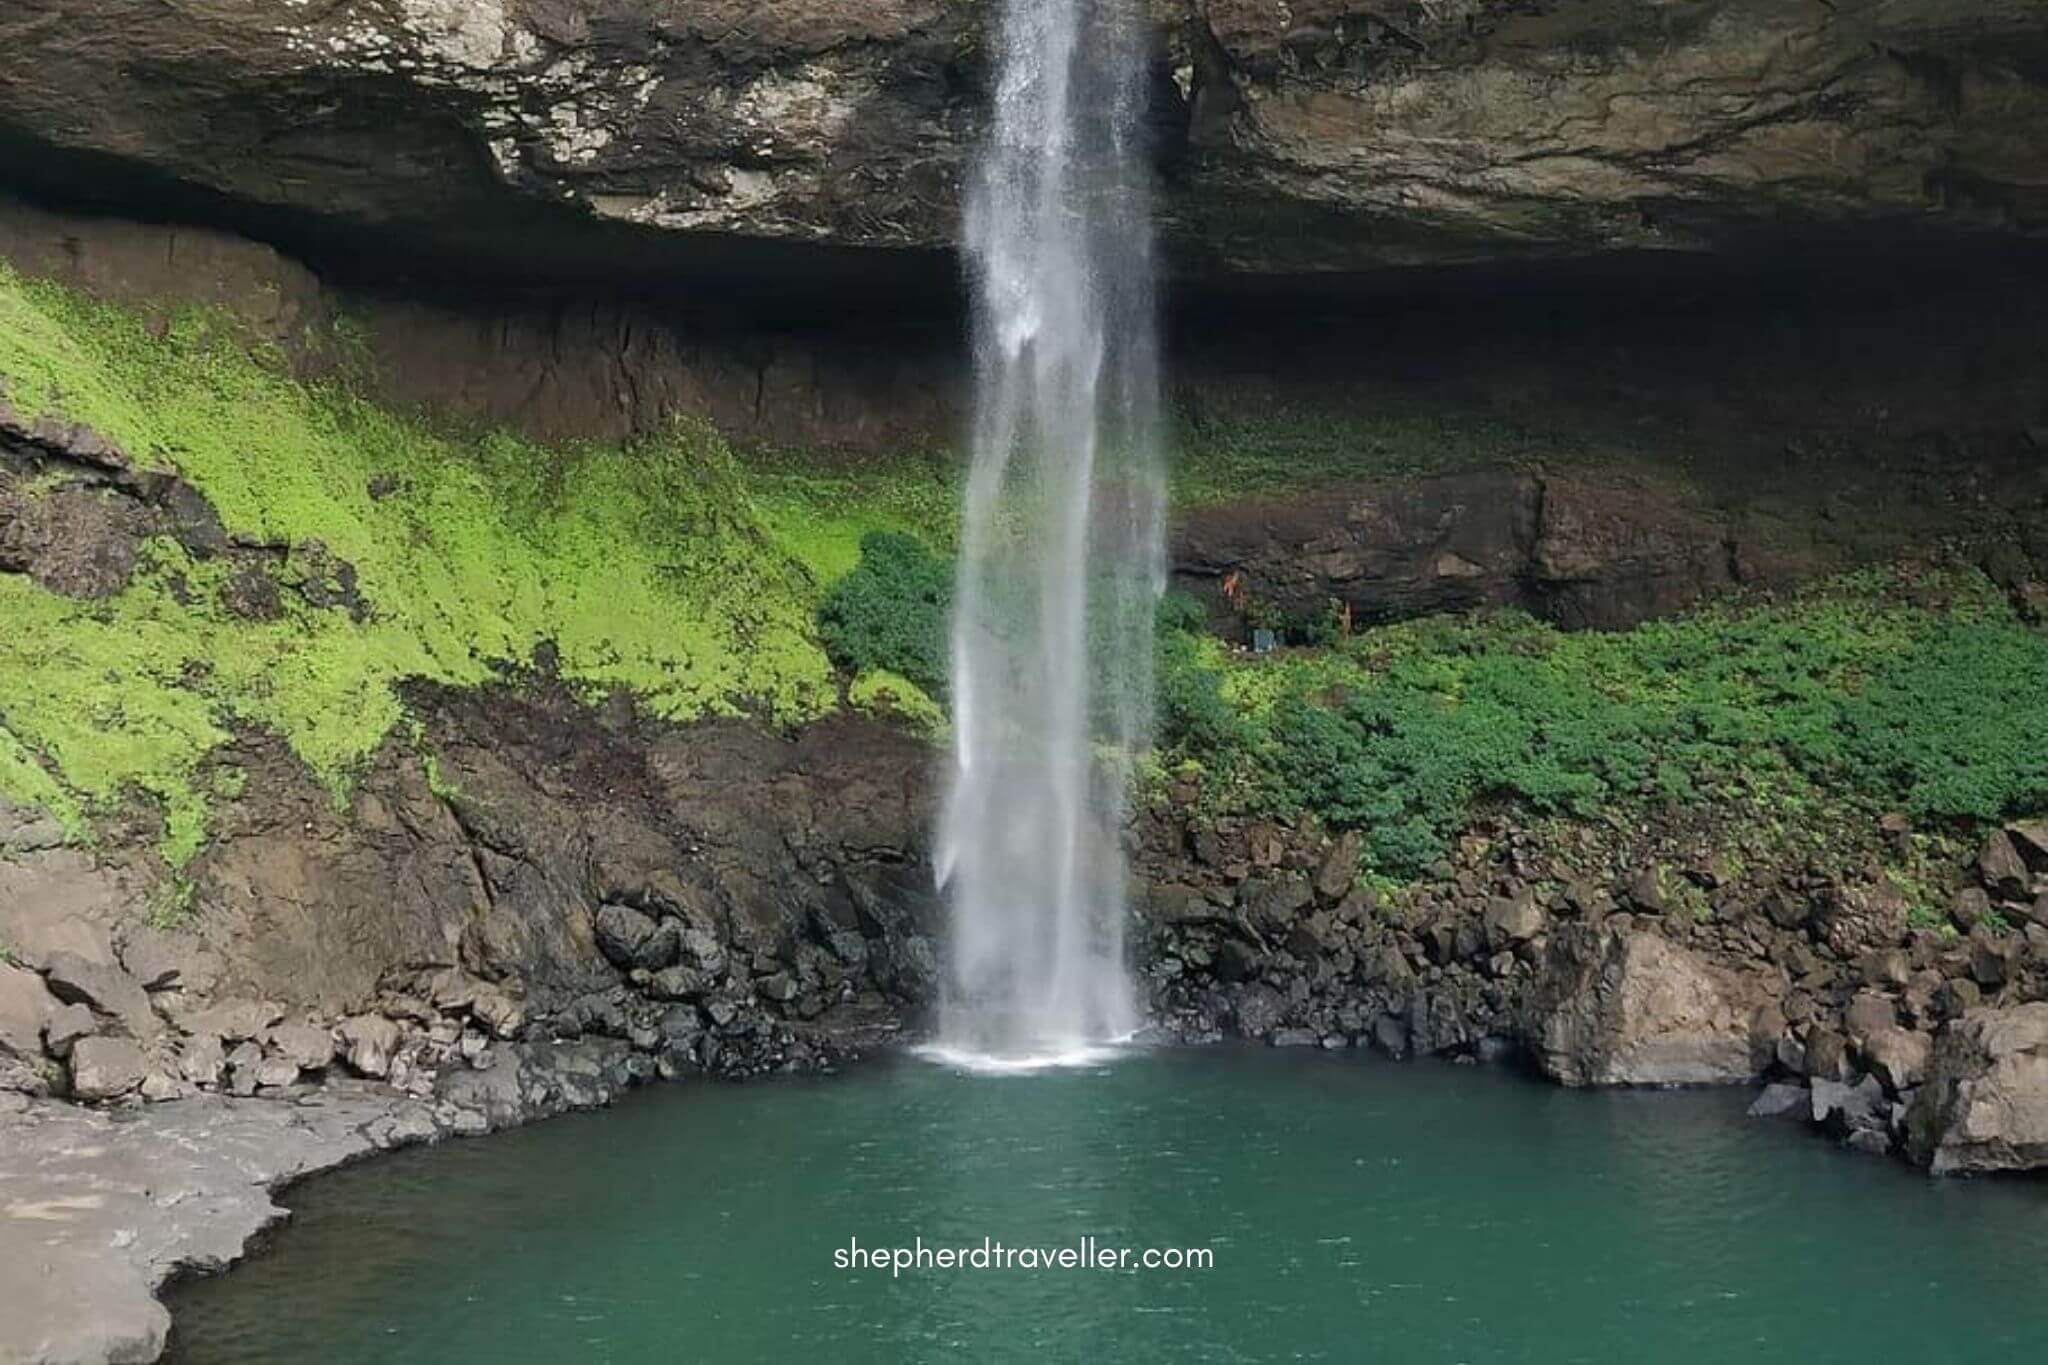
<point x="1636" y="955"/>
<point x="1316" y="136"/>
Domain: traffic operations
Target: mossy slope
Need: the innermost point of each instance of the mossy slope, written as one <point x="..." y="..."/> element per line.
<point x="652" y="569"/>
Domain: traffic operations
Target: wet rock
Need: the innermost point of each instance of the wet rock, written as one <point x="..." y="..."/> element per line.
<point x="369" y="1042"/>
<point x="1984" y="1106"/>
<point x="1846" y="1107"/>
<point x="105" y="1068"/>
<point x="1780" y="1100"/>
<point x="1632" y="1008"/>
<point x="1257" y="1010"/>
<point x="111" y="993"/>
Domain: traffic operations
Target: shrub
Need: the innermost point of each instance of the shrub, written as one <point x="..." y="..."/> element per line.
<point x="890" y="612"/>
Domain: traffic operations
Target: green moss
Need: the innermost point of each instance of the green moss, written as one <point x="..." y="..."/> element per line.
<point x="653" y="568"/>
<point x="891" y="694"/>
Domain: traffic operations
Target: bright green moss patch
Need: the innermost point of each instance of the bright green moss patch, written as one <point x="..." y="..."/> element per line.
<point x="399" y="552"/>
<point x="890" y="694"/>
<point x="1859" y="690"/>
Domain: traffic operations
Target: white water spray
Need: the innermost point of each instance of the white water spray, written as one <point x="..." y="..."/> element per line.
<point x="1061" y="558"/>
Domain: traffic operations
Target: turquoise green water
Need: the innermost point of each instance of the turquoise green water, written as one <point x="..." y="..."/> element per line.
<point x="1358" y="1210"/>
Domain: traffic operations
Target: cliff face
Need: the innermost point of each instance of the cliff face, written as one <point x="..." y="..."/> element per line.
<point x="1318" y="135"/>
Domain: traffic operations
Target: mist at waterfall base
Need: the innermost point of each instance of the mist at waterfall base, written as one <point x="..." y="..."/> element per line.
<point x="1061" y="557"/>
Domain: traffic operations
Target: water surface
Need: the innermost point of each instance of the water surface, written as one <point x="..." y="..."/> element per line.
<point x="1359" y="1211"/>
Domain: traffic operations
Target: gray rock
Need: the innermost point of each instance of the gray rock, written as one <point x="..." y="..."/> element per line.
<point x="1827" y="1055"/>
<point x="1970" y="906"/>
<point x="26" y="1007"/>
<point x="2001" y="867"/>
<point x="369" y="1042"/>
<point x="28" y="829"/>
<point x="1339" y="869"/>
<point x="1867" y="1014"/>
<point x="778" y="986"/>
<point x="629" y="939"/>
<point x="1898" y="1057"/>
<point x="67" y="1025"/>
<point x="1633" y="1008"/>
<point x="243" y="1062"/>
<point x="106" y="1068"/>
<point x="1780" y="1100"/>
<point x="678" y="983"/>
<point x="1295" y="1037"/>
<point x="1513" y="919"/>
<point x="1848" y="1107"/>
<point x="275" y="1071"/>
<point x="110" y="992"/>
<point x="1984" y="1106"/>
<point x="1257" y="1009"/>
<point x="234" y="1020"/>
<point x="306" y="1046"/>
<point x="201" y="1060"/>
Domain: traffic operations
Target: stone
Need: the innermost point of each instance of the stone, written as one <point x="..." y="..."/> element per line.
<point x="1633" y="1008"/>
<point x="1867" y="1014"/>
<point x="1898" y="1057"/>
<point x="67" y="1025"/>
<point x="621" y="934"/>
<point x="1984" y="1106"/>
<point x="778" y="986"/>
<point x="105" y="1068"/>
<point x="1648" y="893"/>
<point x="26" y="1007"/>
<point x="1339" y="870"/>
<point x="1956" y="997"/>
<point x="1827" y="1055"/>
<point x="679" y="983"/>
<point x="275" y="1071"/>
<point x="1780" y="1100"/>
<point x="2030" y="840"/>
<point x="243" y="1061"/>
<point x="1846" y="1107"/>
<point x="1969" y="907"/>
<point x="1514" y="919"/>
<point x="111" y="993"/>
<point x="233" y="1020"/>
<point x="306" y="1046"/>
<point x="28" y="829"/>
<point x="1295" y="1037"/>
<point x="163" y="961"/>
<point x="201" y="1060"/>
<point x="368" y="1043"/>
<point x="1257" y="1010"/>
<point x="1991" y="957"/>
<point x="2003" y="870"/>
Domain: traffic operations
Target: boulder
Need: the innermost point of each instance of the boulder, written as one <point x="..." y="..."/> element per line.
<point x="111" y="992"/>
<point x="67" y="1025"/>
<point x="201" y="1060"/>
<point x="306" y="1046"/>
<point x="1984" y="1106"/>
<point x="2001" y="867"/>
<point x="630" y="940"/>
<point x="233" y="1020"/>
<point x="369" y="1041"/>
<point x="1868" y="1014"/>
<point x="1339" y="869"/>
<point x="1779" y="1100"/>
<point x="1515" y="919"/>
<point x="1898" y="1057"/>
<point x="26" y="1007"/>
<point x="1634" y="1008"/>
<point x="106" y="1068"/>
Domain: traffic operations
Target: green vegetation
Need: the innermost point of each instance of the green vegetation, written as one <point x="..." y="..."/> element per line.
<point x="889" y="613"/>
<point x="1404" y="732"/>
<point x="653" y="569"/>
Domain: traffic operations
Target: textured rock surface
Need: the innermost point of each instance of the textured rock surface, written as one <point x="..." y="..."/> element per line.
<point x="1637" y="1009"/>
<point x="1318" y="135"/>
<point x="1985" y="1104"/>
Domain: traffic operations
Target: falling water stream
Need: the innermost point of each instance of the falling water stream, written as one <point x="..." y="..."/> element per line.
<point x="1061" y="558"/>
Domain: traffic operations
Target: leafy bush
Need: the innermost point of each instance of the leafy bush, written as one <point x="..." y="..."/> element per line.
<point x="1402" y="732"/>
<point x="890" y="612"/>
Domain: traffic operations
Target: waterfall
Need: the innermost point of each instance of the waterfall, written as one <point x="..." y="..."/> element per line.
<point x="1061" y="557"/>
